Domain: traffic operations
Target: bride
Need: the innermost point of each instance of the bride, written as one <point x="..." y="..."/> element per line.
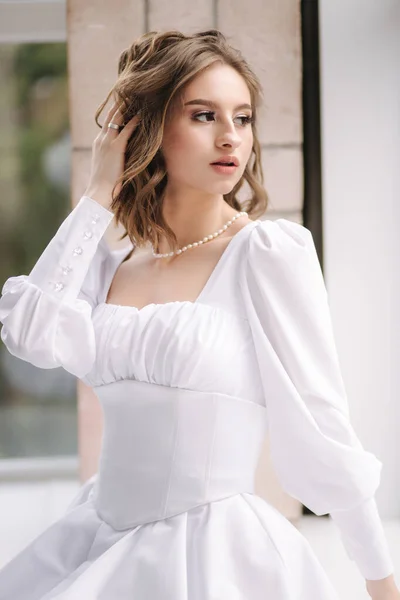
<point x="209" y="331"/>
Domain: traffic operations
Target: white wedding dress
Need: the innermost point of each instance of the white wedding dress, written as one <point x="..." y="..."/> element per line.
<point x="189" y="391"/>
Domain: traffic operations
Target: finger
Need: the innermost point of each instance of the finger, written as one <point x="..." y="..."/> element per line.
<point x="109" y="116"/>
<point x="116" y="119"/>
<point x="129" y="128"/>
<point x="114" y="115"/>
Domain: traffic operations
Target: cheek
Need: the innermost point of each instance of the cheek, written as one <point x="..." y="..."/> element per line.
<point x="249" y="139"/>
<point x="174" y="144"/>
<point x="248" y="145"/>
<point x="181" y="148"/>
<point x="176" y="154"/>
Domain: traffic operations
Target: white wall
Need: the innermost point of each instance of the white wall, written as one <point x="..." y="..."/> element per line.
<point x="360" y="98"/>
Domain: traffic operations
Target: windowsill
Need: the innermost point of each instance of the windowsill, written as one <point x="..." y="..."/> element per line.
<point x="28" y="469"/>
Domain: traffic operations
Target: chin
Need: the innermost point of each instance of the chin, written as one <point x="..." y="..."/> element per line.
<point x="223" y="187"/>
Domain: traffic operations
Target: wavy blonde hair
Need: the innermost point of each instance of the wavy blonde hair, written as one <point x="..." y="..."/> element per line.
<point x="152" y="74"/>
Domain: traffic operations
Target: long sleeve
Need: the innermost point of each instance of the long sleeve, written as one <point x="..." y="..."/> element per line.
<point x="315" y="452"/>
<point x="46" y="315"/>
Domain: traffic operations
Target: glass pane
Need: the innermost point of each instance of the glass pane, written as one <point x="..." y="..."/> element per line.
<point x="38" y="415"/>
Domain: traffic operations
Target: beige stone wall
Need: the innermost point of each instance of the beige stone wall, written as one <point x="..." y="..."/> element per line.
<point x="268" y="33"/>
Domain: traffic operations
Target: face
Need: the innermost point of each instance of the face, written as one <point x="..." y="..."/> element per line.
<point x="214" y="122"/>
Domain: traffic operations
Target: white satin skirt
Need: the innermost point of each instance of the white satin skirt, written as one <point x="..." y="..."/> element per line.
<point x="171" y="513"/>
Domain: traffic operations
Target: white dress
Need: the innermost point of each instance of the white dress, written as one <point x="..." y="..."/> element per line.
<point x="189" y="391"/>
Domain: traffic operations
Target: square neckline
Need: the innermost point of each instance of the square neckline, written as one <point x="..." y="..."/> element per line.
<point x="194" y="302"/>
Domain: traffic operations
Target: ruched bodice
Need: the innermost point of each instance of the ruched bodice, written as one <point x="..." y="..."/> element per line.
<point x="189" y="345"/>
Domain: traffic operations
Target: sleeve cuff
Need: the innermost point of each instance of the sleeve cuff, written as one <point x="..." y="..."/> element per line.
<point x="61" y="269"/>
<point x="364" y="539"/>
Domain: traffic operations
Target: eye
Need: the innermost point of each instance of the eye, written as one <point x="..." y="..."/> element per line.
<point x="246" y="119"/>
<point x="204" y="113"/>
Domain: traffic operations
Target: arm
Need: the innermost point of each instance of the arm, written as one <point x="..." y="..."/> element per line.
<point x="315" y="451"/>
<point x="46" y="316"/>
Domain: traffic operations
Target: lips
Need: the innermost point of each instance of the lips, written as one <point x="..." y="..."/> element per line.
<point x="224" y="169"/>
<point x="231" y="161"/>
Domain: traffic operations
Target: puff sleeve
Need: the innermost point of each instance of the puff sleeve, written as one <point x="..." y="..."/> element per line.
<point x="315" y="452"/>
<point x="46" y="315"/>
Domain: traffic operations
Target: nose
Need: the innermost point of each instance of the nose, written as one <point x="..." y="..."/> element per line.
<point x="228" y="137"/>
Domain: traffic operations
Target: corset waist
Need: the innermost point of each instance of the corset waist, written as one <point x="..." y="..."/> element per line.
<point x="166" y="450"/>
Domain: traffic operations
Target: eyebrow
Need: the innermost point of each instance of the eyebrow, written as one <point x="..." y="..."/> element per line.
<point x="212" y="104"/>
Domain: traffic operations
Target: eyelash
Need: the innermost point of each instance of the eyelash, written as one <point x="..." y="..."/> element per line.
<point x="247" y="120"/>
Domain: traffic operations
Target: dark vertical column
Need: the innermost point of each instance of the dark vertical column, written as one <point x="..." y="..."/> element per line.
<point x="312" y="210"/>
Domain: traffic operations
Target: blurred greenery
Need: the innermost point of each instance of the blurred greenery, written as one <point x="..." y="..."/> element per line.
<point x="34" y="200"/>
<point x="38" y="76"/>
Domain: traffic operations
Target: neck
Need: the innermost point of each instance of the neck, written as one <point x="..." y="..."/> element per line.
<point x="194" y="216"/>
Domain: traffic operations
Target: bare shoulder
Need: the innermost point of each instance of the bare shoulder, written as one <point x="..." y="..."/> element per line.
<point x="239" y="224"/>
<point x="223" y="240"/>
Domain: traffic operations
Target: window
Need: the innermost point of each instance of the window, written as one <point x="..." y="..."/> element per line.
<point x="38" y="414"/>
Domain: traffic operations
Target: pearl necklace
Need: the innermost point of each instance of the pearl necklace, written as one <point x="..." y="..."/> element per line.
<point x="207" y="238"/>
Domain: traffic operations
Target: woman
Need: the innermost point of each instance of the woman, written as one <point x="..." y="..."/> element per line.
<point x="210" y="330"/>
